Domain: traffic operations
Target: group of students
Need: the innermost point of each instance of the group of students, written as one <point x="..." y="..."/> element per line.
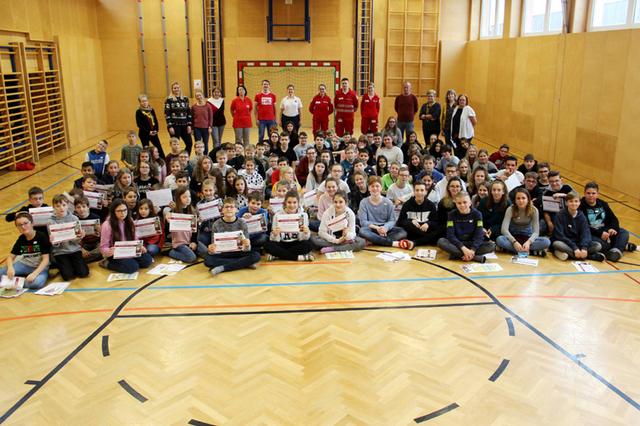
<point x="288" y="196"/>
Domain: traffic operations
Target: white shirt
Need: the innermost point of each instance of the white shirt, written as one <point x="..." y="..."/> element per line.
<point x="392" y="154"/>
<point x="441" y="187"/>
<point x="466" y="127"/>
<point x="291" y="106"/>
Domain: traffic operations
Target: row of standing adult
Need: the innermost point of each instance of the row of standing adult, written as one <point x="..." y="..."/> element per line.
<point x="205" y="119"/>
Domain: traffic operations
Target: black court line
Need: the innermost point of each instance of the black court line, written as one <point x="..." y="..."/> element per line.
<point x="194" y="422"/>
<point x="512" y="330"/>
<point x="105" y="345"/>
<point x="435" y="414"/>
<point x="77" y="350"/>
<point x="543" y="336"/>
<point x="499" y="370"/>
<point x="32" y="382"/>
<point x="53" y="164"/>
<point x="69" y="165"/>
<point x="303" y="311"/>
<point x="134" y="393"/>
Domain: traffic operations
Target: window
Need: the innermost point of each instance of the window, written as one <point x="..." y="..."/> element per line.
<point x="609" y="14"/>
<point x="542" y="17"/>
<point x="492" y="18"/>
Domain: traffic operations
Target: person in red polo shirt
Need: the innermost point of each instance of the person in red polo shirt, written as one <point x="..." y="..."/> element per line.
<point x="369" y="108"/>
<point x="321" y="108"/>
<point x="346" y="106"/>
<point x="265" y="109"/>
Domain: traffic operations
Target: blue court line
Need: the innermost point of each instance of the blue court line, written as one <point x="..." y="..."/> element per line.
<point x="634" y="234"/>
<point x="350" y="282"/>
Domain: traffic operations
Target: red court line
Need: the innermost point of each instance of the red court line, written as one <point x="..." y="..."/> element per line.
<point x="626" y="275"/>
<point x="324" y="303"/>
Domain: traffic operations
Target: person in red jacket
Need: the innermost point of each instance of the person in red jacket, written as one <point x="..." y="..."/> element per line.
<point x="265" y="109"/>
<point x="346" y="106"/>
<point x="321" y="108"/>
<point x="241" y="108"/>
<point x="406" y="107"/>
<point x="370" y="107"/>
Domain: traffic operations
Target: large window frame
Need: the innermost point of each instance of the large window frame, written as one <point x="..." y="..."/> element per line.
<point x="487" y="15"/>
<point x="546" y="25"/>
<point x="633" y="7"/>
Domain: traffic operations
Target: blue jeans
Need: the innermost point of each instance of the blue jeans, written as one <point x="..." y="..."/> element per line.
<point x="540" y="243"/>
<point x="183" y="253"/>
<point x="405" y="129"/>
<point x="216" y="135"/>
<point x="265" y="125"/>
<point x="129" y="266"/>
<point x="394" y="234"/>
<point x="618" y="241"/>
<point x="202" y="135"/>
<point x="23" y="270"/>
<point x="153" y="250"/>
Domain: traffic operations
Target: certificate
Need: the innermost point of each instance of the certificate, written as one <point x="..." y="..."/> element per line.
<point x="551" y="204"/>
<point x="161" y="197"/>
<point x="209" y="210"/>
<point x="61" y="232"/>
<point x="95" y="199"/>
<point x="275" y="204"/>
<point x="512" y="182"/>
<point x="289" y="222"/>
<point x="148" y="227"/>
<point x="182" y="222"/>
<point x="104" y="188"/>
<point x="127" y="249"/>
<point x="228" y="241"/>
<point x="256" y="224"/>
<point x="41" y="215"/>
<point x="90" y="226"/>
<point x="338" y="223"/>
<point x="309" y="198"/>
<point x="15" y="282"/>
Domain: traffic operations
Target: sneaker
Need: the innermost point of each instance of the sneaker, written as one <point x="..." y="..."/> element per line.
<point x="631" y="247"/>
<point x="539" y="253"/>
<point x="254" y="266"/>
<point x="597" y="257"/>
<point x="215" y="271"/>
<point x="561" y="255"/>
<point x="406" y="244"/>
<point x="479" y="258"/>
<point x="271" y="258"/>
<point x="324" y="250"/>
<point x="614" y="255"/>
<point x="308" y="257"/>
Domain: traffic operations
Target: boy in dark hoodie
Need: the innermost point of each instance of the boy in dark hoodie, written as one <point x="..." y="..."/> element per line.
<point x="571" y="235"/>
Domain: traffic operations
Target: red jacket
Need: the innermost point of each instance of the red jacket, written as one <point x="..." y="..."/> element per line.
<point x="266" y="106"/>
<point x="241" y="112"/>
<point x="346" y="103"/>
<point x="370" y="106"/>
<point x="321" y="106"/>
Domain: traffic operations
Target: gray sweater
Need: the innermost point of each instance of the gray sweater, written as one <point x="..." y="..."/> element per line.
<point x="220" y="225"/>
<point x="520" y="225"/>
<point x="65" y="247"/>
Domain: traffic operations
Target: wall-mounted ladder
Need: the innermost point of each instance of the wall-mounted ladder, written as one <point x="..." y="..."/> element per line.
<point x="212" y="44"/>
<point x="364" y="45"/>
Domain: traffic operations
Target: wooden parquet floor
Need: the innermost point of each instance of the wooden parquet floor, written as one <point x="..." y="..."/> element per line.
<point x="351" y="342"/>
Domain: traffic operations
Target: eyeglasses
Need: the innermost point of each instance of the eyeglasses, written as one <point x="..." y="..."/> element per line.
<point x="121" y="210"/>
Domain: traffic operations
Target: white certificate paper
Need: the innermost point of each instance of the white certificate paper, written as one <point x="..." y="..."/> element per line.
<point x="209" y="210"/>
<point x="127" y="249"/>
<point x="289" y="222"/>
<point x="256" y="224"/>
<point x="148" y="227"/>
<point x="551" y="204"/>
<point x="61" y="232"/>
<point x="512" y="182"/>
<point x="182" y="222"/>
<point x="90" y="226"/>
<point x="160" y="197"/>
<point x="275" y="204"/>
<point x="41" y="215"/>
<point x="228" y="241"/>
<point x="309" y="198"/>
<point x="95" y="199"/>
<point x="338" y="223"/>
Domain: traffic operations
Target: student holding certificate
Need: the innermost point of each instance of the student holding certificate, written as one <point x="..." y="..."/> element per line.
<point x="230" y="247"/>
<point x="65" y="235"/>
<point x="153" y="233"/>
<point x="338" y="227"/>
<point x="120" y="227"/>
<point x="285" y="242"/>
<point x="184" y="241"/>
<point x="257" y="219"/>
<point x="29" y="256"/>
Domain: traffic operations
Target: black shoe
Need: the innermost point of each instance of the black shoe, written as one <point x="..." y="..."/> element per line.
<point x="614" y="255"/>
<point x="597" y="256"/>
<point x="479" y="259"/>
<point x="631" y="247"/>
